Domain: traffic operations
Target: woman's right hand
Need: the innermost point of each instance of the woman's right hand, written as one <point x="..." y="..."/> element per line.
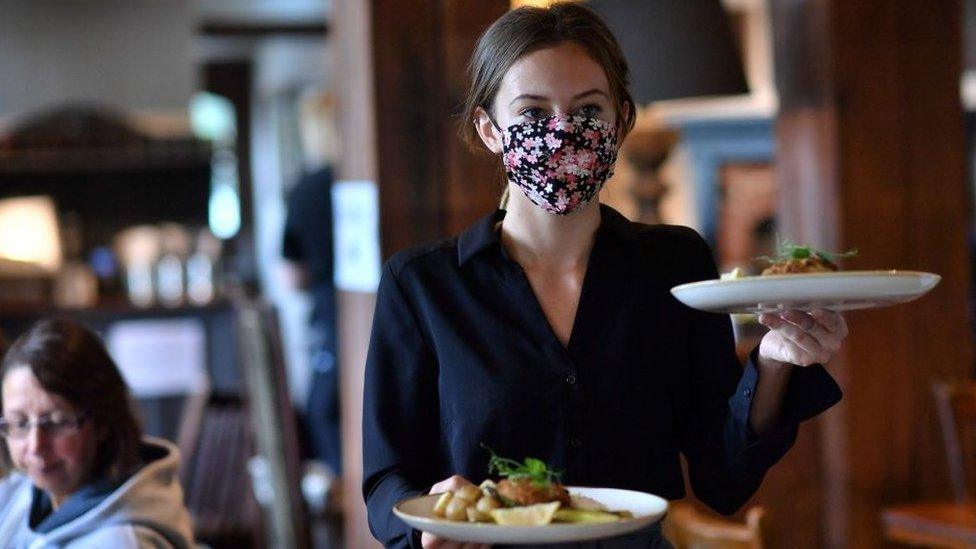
<point x="430" y="541"/>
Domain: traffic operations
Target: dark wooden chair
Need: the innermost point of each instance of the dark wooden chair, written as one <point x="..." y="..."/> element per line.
<point x="688" y="528"/>
<point x="956" y="406"/>
<point x="945" y="523"/>
<point x="274" y="427"/>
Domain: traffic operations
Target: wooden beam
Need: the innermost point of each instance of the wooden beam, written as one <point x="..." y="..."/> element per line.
<point x="246" y="29"/>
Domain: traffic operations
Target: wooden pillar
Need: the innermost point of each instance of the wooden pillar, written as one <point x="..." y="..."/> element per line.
<point x="401" y="78"/>
<point x="357" y="128"/>
<point x="431" y="186"/>
<point x="871" y="154"/>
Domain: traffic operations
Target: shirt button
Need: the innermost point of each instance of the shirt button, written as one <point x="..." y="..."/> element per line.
<point x="747" y="392"/>
<point x="575" y="442"/>
<point x="571" y="379"/>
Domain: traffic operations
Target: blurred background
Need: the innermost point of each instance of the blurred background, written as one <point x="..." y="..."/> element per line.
<point x="214" y="184"/>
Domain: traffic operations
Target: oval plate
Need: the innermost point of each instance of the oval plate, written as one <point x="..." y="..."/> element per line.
<point x="418" y="512"/>
<point x="838" y="291"/>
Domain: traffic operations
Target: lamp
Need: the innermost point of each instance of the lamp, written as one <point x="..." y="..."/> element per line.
<point x="675" y="48"/>
<point x="29" y="236"/>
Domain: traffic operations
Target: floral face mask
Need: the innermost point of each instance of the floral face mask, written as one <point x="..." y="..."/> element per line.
<point x="560" y="162"/>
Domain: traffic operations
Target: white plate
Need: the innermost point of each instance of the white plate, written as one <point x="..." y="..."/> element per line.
<point x="418" y="512"/>
<point x="838" y="291"/>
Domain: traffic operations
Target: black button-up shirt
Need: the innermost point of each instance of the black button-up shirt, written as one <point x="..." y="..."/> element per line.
<point x="462" y="354"/>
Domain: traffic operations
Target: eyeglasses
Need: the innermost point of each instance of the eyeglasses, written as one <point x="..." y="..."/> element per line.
<point x="53" y="425"/>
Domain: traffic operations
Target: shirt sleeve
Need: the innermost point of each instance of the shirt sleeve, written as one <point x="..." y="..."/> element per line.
<point x="726" y="460"/>
<point x="400" y="414"/>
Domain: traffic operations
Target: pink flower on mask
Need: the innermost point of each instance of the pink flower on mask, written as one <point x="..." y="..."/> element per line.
<point x="552" y="142"/>
<point x="560" y="162"/>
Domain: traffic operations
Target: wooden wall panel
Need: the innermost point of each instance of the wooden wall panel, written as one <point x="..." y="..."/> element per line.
<point x="409" y="106"/>
<point x="474" y="179"/>
<point x="431" y="185"/>
<point x="791" y="495"/>
<point x="401" y="80"/>
<point x="871" y="154"/>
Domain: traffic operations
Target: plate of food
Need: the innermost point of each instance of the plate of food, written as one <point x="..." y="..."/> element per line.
<point x="804" y="278"/>
<point x="528" y="506"/>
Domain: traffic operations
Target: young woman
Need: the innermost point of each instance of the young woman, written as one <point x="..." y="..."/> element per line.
<point x="84" y="476"/>
<point x="548" y="329"/>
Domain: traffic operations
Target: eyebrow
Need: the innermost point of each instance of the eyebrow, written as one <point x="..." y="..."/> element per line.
<point x="575" y="97"/>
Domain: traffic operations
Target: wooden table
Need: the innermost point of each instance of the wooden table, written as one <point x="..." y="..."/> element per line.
<point x="935" y="524"/>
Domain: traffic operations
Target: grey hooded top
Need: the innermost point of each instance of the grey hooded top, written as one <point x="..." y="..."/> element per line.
<point x="146" y="510"/>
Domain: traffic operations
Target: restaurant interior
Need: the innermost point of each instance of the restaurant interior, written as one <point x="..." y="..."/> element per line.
<point x="148" y="151"/>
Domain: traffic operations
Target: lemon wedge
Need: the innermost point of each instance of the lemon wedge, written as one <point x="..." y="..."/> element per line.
<point x="528" y="515"/>
<point x="734" y="274"/>
<point x="584" y="517"/>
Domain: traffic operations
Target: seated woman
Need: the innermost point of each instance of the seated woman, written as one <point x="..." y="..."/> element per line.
<point x="83" y="474"/>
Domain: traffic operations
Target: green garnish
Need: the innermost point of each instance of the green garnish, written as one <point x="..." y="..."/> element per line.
<point x="531" y="468"/>
<point x="787" y="250"/>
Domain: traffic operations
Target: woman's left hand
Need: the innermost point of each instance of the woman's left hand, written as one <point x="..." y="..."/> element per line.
<point x="800" y="338"/>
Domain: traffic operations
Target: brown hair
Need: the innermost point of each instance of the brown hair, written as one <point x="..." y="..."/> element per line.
<point x="69" y="360"/>
<point x="527" y="29"/>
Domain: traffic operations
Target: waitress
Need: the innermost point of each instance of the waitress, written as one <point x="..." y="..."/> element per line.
<point x="547" y="329"/>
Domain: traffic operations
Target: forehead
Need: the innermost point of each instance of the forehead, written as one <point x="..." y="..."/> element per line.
<point x="22" y="392"/>
<point x="565" y="69"/>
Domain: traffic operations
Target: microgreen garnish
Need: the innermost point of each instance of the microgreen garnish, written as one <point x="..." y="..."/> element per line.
<point x="787" y="250"/>
<point x="530" y="468"/>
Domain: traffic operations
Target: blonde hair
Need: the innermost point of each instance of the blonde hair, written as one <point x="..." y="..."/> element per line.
<point x="319" y="129"/>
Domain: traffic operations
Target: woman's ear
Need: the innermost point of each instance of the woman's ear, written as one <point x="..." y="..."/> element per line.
<point x="623" y="115"/>
<point x="489" y="134"/>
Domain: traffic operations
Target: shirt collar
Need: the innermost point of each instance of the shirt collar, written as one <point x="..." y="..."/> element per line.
<point x="479" y="236"/>
<point x="482" y="234"/>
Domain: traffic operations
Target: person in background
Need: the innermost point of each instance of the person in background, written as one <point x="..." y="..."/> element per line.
<point x="308" y="248"/>
<point x="4" y="466"/>
<point x="548" y="329"/>
<point x="84" y="476"/>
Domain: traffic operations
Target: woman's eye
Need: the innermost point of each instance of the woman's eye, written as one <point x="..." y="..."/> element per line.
<point x="532" y="113"/>
<point x="590" y="110"/>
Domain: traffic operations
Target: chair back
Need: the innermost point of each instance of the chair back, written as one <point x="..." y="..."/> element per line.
<point x="955" y="402"/>
<point x="688" y="528"/>
<point x="277" y="470"/>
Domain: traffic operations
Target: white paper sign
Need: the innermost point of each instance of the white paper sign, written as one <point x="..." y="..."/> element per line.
<point x="160" y="357"/>
<point x="355" y="210"/>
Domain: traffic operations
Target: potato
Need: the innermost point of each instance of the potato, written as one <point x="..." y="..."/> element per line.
<point x="470" y="493"/>
<point x="457" y="509"/>
<point x="440" y="508"/>
<point x="487" y="503"/>
<point x="584" y="503"/>
<point x="474" y="515"/>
